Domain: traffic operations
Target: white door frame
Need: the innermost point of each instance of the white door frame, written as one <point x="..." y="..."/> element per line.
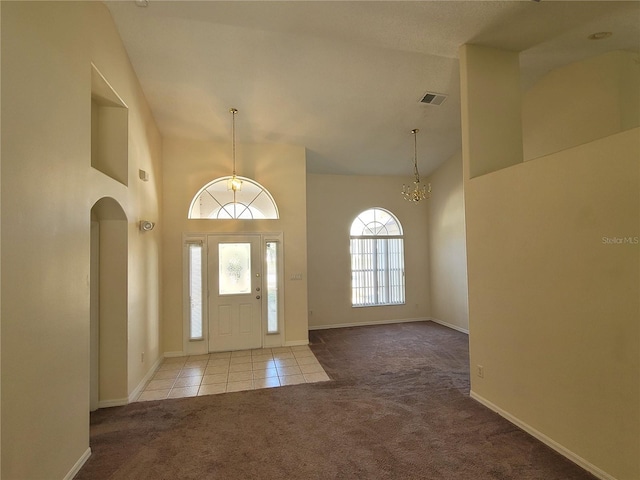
<point x="94" y="324"/>
<point x="201" y="345"/>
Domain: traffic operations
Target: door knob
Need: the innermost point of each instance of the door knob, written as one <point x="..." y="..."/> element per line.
<point x="258" y="289"/>
<point x="258" y="297"/>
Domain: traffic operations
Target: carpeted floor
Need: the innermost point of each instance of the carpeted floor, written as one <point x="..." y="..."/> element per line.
<point x="397" y="408"/>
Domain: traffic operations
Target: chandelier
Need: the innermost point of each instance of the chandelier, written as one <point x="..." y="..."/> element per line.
<point x="234" y="183"/>
<point x="416" y="192"/>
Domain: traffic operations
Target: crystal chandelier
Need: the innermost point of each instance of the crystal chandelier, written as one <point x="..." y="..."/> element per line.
<point x="234" y="183"/>
<point x="416" y="192"/>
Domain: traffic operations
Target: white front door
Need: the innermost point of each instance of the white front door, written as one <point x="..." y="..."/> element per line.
<point x="235" y="291"/>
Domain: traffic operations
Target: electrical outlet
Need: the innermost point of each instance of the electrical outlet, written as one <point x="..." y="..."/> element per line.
<point x="480" y="371"/>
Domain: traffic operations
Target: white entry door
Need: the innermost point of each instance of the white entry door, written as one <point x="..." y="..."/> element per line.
<point x="235" y="292"/>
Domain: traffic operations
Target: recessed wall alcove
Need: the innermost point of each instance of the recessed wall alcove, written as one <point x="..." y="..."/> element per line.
<point x="109" y="129"/>
<point x="109" y="304"/>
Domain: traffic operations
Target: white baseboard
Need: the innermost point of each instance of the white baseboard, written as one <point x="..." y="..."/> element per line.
<point x="116" y="402"/>
<point x="174" y="354"/>
<point x="374" y="322"/>
<point x="449" y="325"/>
<point x="78" y="465"/>
<point x="578" y="460"/>
<point x="133" y="396"/>
<point x="296" y="343"/>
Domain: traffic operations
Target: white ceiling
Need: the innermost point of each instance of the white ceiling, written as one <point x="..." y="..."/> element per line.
<point x="344" y="79"/>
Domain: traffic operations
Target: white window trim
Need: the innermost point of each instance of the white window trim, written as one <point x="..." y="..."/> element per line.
<point x="199" y="344"/>
<point x="378" y="237"/>
<point x="224" y="180"/>
<point x="274" y="339"/>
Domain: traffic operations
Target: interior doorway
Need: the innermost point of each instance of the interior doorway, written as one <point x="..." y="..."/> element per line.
<point x="94" y="338"/>
<point x="108" y="304"/>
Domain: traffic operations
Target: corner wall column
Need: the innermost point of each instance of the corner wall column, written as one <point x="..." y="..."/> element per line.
<point x="491" y="109"/>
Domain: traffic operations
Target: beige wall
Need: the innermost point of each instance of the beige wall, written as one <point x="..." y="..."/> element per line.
<point x="553" y="307"/>
<point x="490" y="90"/>
<point x="333" y="203"/>
<point x="554" y="310"/>
<point x="447" y="246"/>
<point x="48" y="190"/>
<point x="582" y="102"/>
<point x="0" y="247"/>
<point x="188" y="166"/>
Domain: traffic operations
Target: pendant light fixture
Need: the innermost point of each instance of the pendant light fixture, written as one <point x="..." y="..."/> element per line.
<point x="234" y="183"/>
<point x="416" y="192"/>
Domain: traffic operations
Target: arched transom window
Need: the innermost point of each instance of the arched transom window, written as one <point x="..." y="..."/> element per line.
<point x="377" y="259"/>
<point x="216" y="201"/>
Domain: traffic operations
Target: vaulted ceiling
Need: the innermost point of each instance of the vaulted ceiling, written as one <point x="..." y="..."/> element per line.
<point x="344" y="79"/>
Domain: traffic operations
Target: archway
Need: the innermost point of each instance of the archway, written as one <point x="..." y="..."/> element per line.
<point x="109" y="304"/>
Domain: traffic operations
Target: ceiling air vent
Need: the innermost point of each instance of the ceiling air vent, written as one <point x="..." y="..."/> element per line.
<point x="431" y="98"/>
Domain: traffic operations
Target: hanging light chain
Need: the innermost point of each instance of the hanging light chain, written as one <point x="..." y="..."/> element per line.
<point x="415" y="154"/>
<point x="417" y="192"/>
<point x="233" y="112"/>
<point x="234" y="182"/>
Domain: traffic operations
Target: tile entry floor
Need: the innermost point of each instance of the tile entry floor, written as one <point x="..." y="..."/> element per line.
<point x="232" y="372"/>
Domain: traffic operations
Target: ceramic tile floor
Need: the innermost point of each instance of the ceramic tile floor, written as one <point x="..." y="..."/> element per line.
<point x="232" y="372"/>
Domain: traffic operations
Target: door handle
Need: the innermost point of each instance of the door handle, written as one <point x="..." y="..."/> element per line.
<point x="257" y="289"/>
<point x="258" y="297"/>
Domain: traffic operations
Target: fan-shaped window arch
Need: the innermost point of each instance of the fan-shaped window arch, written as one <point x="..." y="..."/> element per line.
<point x="377" y="259"/>
<point x="215" y="201"/>
<point x="376" y="221"/>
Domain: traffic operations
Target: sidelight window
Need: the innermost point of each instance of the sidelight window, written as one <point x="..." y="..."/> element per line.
<point x="196" y="290"/>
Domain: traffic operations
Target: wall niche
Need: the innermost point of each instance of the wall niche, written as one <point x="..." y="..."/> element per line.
<point x="109" y="129"/>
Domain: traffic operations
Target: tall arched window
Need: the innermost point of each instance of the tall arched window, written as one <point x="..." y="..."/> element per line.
<point x="377" y="259"/>
<point x="216" y="201"/>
